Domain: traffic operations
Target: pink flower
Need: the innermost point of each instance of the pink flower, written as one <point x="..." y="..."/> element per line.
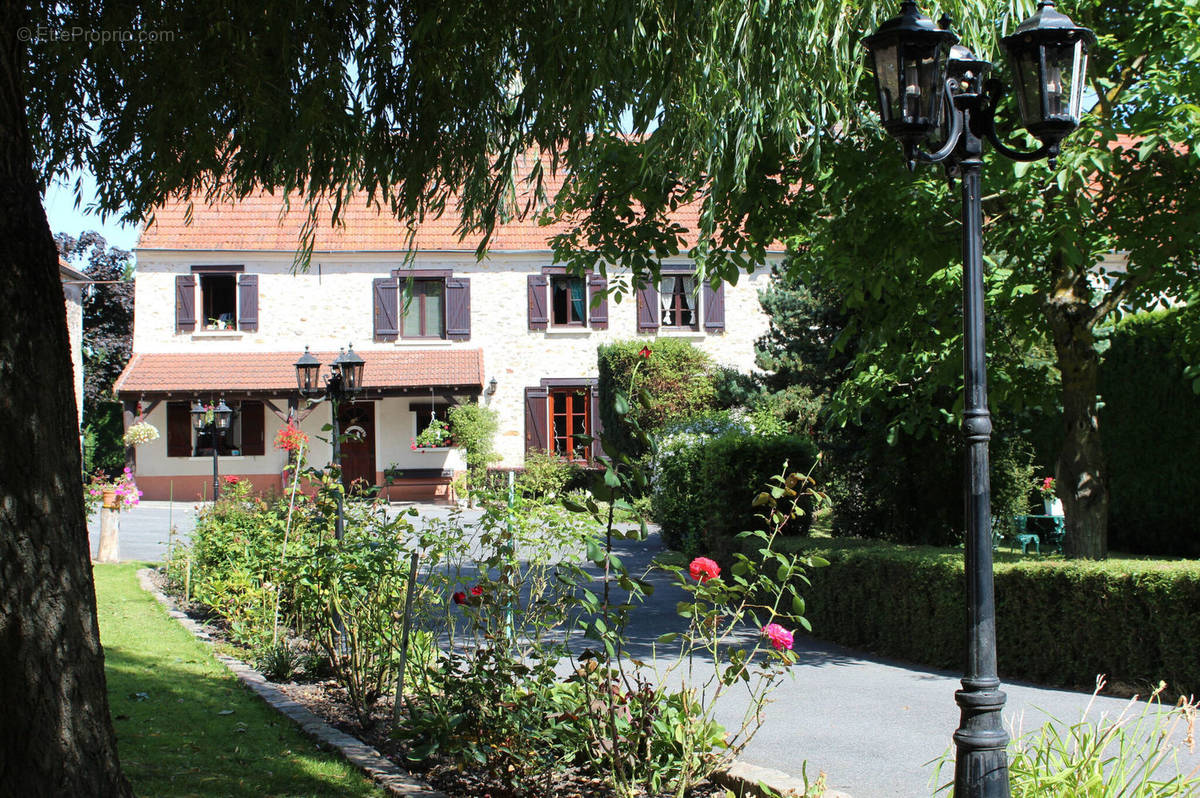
<point x="459" y="597"/>
<point x="702" y="569"/>
<point x="780" y="638"/>
<point x="477" y="591"/>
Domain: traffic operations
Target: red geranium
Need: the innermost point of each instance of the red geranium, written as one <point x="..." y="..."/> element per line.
<point x="702" y="569"/>
<point x="231" y="480"/>
<point x="290" y="438"/>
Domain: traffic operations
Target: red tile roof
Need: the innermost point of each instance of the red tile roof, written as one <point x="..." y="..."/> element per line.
<point x="275" y="372"/>
<point x="260" y="222"/>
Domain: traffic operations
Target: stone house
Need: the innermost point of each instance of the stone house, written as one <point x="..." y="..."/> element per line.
<point x="220" y="313"/>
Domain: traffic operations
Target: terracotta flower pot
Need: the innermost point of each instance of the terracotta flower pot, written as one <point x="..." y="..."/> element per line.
<point x="109" y="498"/>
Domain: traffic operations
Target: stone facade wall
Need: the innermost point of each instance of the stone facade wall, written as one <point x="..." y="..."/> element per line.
<point x="331" y="305"/>
<point x="73" y="297"/>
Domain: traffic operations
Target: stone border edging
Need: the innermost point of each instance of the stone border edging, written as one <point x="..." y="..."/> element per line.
<point x="748" y="781"/>
<point x="382" y="771"/>
<point x="744" y="780"/>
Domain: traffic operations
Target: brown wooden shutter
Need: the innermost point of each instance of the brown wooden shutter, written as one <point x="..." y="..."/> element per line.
<point x="598" y="286"/>
<point x="458" y="308"/>
<point x="179" y="430"/>
<point x="596" y="424"/>
<point x="648" y="310"/>
<point x="537" y="419"/>
<point x="714" y="307"/>
<point x="386" y="292"/>
<point x="185" y="303"/>
<point x="254" y="429"/>
<point x="538" y="302"/>
<point x="248" y="302"/>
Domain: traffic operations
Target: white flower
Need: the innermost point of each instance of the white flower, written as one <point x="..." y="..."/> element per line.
<point x="140" y="433"/>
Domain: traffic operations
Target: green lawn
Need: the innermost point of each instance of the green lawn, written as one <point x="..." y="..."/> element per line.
<point x="185" y="725"/>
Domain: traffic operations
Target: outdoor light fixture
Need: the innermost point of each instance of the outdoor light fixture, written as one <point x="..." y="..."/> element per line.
<point x="216" y="421"/>
<point x="909" y="55"/>
<point x="350" y="367"/>
<point x="308" y="372"/>
<point x="491" y="387"/>
<point x="1048" y="54"/>
<point x="951" y="101"/>
<point x="344" y="381"/>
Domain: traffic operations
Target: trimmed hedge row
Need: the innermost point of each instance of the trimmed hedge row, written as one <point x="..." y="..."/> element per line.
<point x="704" y="487"/>
<point x="1057" y="622"/>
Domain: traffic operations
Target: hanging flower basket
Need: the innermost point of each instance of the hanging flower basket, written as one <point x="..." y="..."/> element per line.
<point x="140" y="433"/>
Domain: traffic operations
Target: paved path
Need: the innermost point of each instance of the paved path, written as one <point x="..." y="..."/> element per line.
<point x="869" y="723"/>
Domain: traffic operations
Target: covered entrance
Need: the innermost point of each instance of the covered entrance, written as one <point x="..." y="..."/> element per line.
<point x="357" y="422"/>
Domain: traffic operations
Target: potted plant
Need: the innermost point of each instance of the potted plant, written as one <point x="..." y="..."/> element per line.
<point x="1050" y="501"/>
<point x="115" y="494"/>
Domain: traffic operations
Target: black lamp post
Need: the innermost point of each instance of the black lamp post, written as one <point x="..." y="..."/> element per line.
<point x="928" y="87"/>
<point x="343" y="382"/>
<point x="214" y="420"/>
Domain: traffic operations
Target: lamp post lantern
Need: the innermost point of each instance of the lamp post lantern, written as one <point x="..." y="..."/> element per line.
<point x="216" y="421"/>
<point x="1049" y="55"/>
<point x="345" y="379"/>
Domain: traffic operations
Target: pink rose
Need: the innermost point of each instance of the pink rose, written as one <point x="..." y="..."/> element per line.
<point x="702" y="569"/>
<point x="780" y="638"/>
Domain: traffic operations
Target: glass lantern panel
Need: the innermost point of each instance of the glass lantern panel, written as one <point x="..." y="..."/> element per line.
<point x="887" y="78"/>
<point x="1026" y="65"/>
<point x="920" y="76"/>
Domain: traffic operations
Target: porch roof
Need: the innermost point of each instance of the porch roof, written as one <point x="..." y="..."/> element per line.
<point x="399" y="371"/>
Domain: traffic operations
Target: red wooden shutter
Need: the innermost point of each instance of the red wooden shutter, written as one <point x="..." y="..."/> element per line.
<point x="714" y="307"/>
<point x="458" y="308"/>
<point x="386" y="292"/>
<point x="185" y="303"/>
<point x="598" y="287"/>
<point x="537" y="419"/>
<point x="595" y="425"/>
<point x="179" y="430"/>
<point x="253" y="429"/>
<point x="248" y="302"/>
<point x="648" y="310"/>
<point x="538" y="317"/>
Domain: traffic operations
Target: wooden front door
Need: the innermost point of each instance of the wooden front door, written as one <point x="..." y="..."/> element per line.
<point x="357" y="422"/>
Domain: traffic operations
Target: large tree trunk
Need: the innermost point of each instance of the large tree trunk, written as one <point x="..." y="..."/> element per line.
<point x="1081" y="475"/>
<point x="56" y="738"/>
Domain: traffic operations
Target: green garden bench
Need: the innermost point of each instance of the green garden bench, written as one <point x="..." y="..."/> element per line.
<point x="1051" y="527"/>
<point x="1014" y="530"/>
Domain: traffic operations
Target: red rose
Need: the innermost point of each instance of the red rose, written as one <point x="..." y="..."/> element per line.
<point x="459" y="597"/>
<point x="477" y="591"/>
<point x="702" y="569"/>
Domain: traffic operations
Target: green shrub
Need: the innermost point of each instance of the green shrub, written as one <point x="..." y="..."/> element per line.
<point x="473" y="427"/>
<point x="679" y="380"/>
<point x="706" y="475"/>
<point x="1058" y="622"/>
<point x="1150" y="423"/>
<point x="546" y="475"/>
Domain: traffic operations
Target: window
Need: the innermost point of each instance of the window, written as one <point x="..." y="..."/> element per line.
<point x="677" y="295"/>
<point x="424" y="313"/>
<point x="568" y="418"/>
<point x="557" y="411"/>
<point x="438" y="307"/>
<point x="218" y="298"/>
<point x="568" y="301"/>
<point x="228" y="299"/>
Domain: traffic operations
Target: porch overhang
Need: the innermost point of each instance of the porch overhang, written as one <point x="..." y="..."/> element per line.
<point x="410" y="372"/>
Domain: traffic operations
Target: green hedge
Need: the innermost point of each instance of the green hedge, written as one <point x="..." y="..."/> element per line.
<point x="1057" y="622"/>
<point x="704" y="487"/>
<point x="1150" y="425"/>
